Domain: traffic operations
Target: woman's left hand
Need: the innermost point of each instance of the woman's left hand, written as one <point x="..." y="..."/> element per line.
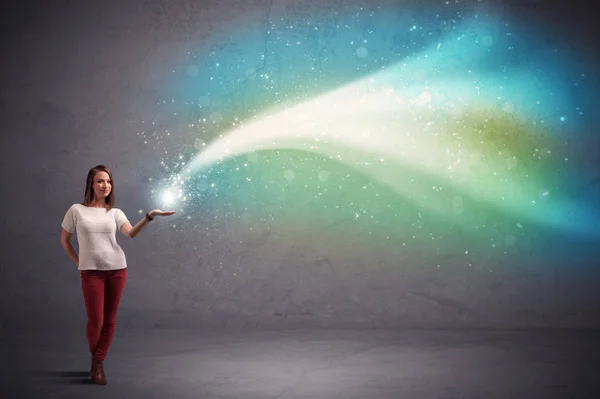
<point x="158" y="212"/>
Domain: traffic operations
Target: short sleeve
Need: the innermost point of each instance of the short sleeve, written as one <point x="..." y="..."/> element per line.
<point x="120" y="218"/>
<point x="69" y="222"/>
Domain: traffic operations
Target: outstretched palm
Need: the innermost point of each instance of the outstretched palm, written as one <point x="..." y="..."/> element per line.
<point x="158" y="212"/>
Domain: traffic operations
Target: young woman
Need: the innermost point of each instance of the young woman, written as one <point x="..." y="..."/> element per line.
<point x="101" y="261"/>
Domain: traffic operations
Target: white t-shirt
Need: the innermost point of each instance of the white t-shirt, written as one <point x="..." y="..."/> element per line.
<point x="96" y="234"/>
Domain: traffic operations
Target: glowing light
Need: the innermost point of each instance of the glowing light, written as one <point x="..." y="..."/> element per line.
<point x="433" y="120"/>
<point x="168" y="198"/>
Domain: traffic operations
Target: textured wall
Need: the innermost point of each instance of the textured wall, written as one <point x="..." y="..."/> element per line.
<point x="81" y="80"/>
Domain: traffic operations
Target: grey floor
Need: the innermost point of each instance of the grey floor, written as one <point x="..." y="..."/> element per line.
<point x="318" y="363"/>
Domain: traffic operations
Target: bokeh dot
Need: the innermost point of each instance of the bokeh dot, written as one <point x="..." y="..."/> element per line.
<point x="510" y="240"/>
<point x="289" y="175"/>
<point x="323" y="175"/>
<point x="193" y="70"/>
<point x="487" y="41"/>
<point x="508" y="107"/>
<point x="362" y="52"/>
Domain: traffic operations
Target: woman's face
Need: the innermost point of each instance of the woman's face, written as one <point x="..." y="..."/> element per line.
<point x="102" y="185"/>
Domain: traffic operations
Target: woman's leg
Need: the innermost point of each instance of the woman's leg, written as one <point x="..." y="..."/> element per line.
<point x="113" y="289"/>
<point x="92" y="284"/>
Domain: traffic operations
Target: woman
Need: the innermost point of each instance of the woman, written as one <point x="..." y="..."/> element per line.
<point x="101" y="261"/>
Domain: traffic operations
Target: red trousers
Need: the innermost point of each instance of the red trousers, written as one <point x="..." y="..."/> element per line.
<point x="102" y="293"/>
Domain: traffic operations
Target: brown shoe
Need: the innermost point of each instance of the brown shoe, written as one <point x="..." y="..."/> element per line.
<point x="98" y="376"/>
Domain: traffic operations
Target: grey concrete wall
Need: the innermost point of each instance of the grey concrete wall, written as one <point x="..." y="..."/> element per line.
<point x="78" y="79"/>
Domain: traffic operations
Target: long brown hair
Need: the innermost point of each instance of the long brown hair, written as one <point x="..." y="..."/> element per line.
<point x="89" y="192"/>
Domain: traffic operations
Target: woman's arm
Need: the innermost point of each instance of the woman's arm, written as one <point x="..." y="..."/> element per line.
<point x="65" y="241"/>
<point x="131" y="231"/>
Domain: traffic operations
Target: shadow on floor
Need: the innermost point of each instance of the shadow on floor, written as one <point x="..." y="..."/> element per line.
<point x="65" y="377"/>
